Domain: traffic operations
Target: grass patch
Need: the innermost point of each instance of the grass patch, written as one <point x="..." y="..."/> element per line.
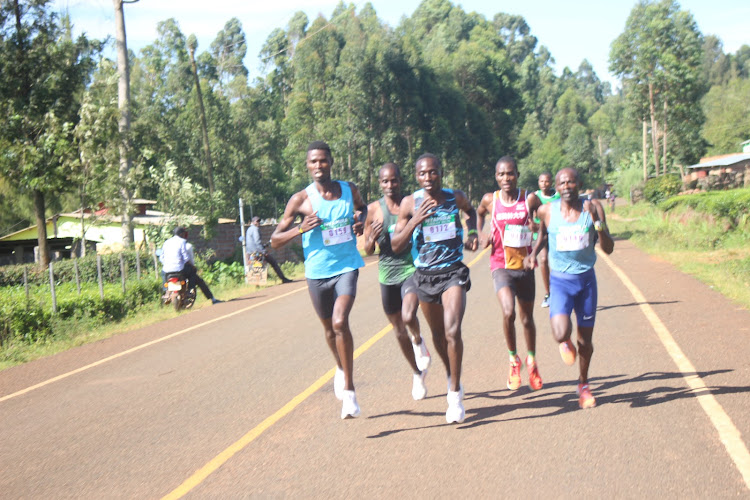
<point x="74" y="332"/>
<point x="710" y="247"/>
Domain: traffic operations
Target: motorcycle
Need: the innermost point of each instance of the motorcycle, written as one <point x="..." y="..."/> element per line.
<point x="179" y="292"/>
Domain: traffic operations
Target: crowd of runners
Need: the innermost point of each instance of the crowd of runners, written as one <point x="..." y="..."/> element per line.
<point x="420" y="240"/>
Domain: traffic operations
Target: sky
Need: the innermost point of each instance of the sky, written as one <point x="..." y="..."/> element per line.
<point x="572" y="31"/>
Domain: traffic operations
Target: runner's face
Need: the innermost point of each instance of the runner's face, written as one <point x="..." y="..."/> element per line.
<point x="319" y="165"/>
<point x="545" y="183"/>
<point x="506" y="176"/>
<point x="428" y="175"/>
<point x="567" y="185"/>
<point x="390" y="183"/>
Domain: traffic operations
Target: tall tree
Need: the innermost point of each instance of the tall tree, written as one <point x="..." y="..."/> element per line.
<point x="42" y="73"/>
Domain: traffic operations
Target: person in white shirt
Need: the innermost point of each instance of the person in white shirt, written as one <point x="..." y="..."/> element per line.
<point x="177" y="257"/>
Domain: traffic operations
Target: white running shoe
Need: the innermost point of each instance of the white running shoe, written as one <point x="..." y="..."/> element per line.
<point x="339" y="382"/>
<point x="422" y="355"/>
<point x="455" y="413"/>
<point x="460" y="387"/>
<point x="349" y="406"/>
<point x="418" y="387"/>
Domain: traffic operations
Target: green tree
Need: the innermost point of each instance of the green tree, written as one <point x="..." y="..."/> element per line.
<point x="42" y="74"/>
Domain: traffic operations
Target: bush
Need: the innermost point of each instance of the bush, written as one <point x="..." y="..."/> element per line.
<point x="733" y="205"/>
<point x="660" y="188"/>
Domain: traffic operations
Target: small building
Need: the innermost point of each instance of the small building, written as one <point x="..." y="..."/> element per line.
<point x="730" y="170"/>
<point x="746" y="147"/>
<point x="103" y="234"/>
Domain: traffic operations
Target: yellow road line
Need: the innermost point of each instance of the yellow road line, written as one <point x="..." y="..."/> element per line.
<point x="201" y="474"/>
<point x="729" y="435"/>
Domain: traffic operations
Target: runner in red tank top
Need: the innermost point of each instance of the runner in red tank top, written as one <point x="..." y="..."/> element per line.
<point x="511" y="237"/>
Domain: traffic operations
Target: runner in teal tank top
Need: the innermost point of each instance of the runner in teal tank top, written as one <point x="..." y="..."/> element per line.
<point x="333" y="214"/>
<point x="573" y="227"/>
<point x="397" y="289"/>
<point x="546" y="194"/>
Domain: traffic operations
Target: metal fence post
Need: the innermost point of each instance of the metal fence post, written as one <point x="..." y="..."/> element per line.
<point x="52" y="288"/>
<point x="156" y="265"/>
<point x="26" y="281"/>
<point x="78" y="276"/>
<point x="137" y="264"/>
<point x="99" y="273"/>
<point x="123" y="273"/>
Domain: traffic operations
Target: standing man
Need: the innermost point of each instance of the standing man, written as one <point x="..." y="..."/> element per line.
<point x="254" y="245"/>
<point x="431" y="215"/>
<point x="545" y="195"/>
<point x="510" y="237"/>
<point x="332" y="213"/>
<point x="397" y="290"/>
<point x="573" y="226"/>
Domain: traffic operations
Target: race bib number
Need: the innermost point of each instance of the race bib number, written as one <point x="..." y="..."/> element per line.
<point x="572" y="238"/>
<point x="337" y="232"/>
<point x="439" y="228"/>
<point x="391" y="228"/>
<point x="516" y="236"/>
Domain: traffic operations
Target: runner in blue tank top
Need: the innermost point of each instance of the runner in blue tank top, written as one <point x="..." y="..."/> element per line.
<point x="432" y="214"/>
<point x="572" y="227"/>
<point x="333" y="214"/>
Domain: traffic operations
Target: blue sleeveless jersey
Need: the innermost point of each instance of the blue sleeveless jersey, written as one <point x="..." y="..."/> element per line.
<point x="571" y="244"/>
<point x="327" y="254"/>
<point x="433" y="252"/>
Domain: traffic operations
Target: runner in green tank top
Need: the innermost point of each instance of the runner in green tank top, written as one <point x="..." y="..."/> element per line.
<point x="545" y="193"/>
<point x="397" y="289"/>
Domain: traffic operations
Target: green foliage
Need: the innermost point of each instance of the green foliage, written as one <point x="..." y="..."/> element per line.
<point x="221" y="273"/>
<point x="658" y="189"/>
<point x="733" y="205"/>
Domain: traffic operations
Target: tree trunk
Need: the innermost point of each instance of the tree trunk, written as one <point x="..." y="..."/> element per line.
<point x="664" y="139"/>
<point x="123" y="125"/>
<point x="654" y="127"/>
<point x="645" y="153"/>
<point x="601" y="154"/>
<point x="204" y="126"/>
<point x="41" y="229"/>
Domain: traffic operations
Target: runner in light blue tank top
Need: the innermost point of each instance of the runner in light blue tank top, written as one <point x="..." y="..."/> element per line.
<point x="331" y="248"/>
<point x="571" y="244"/>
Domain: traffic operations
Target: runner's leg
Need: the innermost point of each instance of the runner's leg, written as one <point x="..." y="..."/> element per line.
<point x="454" y="306"/>
<point x="344" y="343"/>
<point x="433" y="314"/>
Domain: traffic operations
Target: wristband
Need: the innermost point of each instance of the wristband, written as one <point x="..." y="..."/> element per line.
<point x="300" y="229"/>
<point x="599" y="226"/>
<point x="471" y="231"/>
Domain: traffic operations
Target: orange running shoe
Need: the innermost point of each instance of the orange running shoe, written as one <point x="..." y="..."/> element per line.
<point x="535" y="380"/>
<point x="568" y="352"/>
<point x="514" y="375"/>
<point x="585" y="398"/>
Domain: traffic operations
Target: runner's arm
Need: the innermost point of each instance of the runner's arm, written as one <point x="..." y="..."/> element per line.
<point x="532" y="205"/>
<point x="472" y="238"/>
<point x="373" y="228"/>
<point x="286" y="231"/>
<point x="360" y="210"/>
<point x="597" y="215"/>
<point x="484" y="208"/>
<point x="529" y="262"/>
<point x="405" y="225"/>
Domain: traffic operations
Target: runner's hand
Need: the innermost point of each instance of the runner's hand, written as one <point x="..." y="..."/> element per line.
<point x="310" y="222"/>
<point x="472" y="242"/>
<point x="425" y="210"/>
<point x="376" y="229"/>
<point x="529" y="262"/>
<point x="485" y="240"/>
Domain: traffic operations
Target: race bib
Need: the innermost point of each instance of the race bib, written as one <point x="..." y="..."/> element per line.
<point x="391" y="228"/>
<point x="516" y="236"/>
<point x="572" y="238"/>
<point x="439" y="228"/>
<point x="337" y="232"/>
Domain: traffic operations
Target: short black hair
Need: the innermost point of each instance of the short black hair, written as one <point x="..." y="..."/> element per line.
<point x="392" y="165"/>
<point x="179" y="231"/>
<point x="548" y="174"/>
<point x="509" y="160"/>
<point x="322" y="145"/>
<point x="432" y="157"/>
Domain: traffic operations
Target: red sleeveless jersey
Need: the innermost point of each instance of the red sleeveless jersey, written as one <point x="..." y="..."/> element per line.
<point x="511" y="236"/>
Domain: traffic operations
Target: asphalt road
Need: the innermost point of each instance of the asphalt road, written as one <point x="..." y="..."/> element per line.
<point x="236" y="401"/>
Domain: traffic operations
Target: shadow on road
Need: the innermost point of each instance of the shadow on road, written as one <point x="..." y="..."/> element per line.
<point x="633" y="304"/>
<point x="560" y="398"/>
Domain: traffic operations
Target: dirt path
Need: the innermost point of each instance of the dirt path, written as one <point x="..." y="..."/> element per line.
<point x="138" y="425"/>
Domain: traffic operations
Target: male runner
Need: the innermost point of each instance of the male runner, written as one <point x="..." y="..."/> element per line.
<point x="545" y="193"/>
<point x="397" y="291"/>
<point x="431" y="215"/>
<point x="332" y="213"/>
<point x="573" y="226"/>
<point x="510" y="237"/>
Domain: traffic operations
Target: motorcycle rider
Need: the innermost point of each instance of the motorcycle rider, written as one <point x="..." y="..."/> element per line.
<point x="253" y="246"/>
<point x="176" y="257"/>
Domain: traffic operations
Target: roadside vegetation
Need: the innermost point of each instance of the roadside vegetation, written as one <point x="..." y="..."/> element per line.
<point x="706" y="235"/>
<point x="29" y="330"/>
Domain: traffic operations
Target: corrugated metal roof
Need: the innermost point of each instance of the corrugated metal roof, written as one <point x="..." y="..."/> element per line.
<point x="723" y="162"/>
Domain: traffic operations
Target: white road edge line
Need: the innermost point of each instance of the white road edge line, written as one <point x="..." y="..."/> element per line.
<point x="729" y="435"/>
